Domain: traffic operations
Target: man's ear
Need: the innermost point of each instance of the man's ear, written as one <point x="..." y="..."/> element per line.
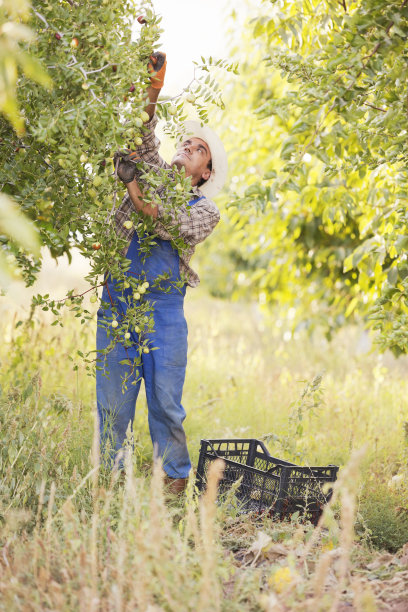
<point x="206" y="174"/>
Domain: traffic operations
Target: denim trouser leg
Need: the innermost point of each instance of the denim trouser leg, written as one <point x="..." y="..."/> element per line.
<point x="163" y="370"/>
<point x="115" y="402"/>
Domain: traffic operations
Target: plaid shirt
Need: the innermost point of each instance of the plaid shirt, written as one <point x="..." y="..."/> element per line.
<point x="193" y="223"/>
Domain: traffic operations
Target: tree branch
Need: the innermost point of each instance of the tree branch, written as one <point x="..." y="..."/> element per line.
<point x="383" y="110"/>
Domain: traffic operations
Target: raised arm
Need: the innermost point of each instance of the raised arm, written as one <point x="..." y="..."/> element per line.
<point x="148" y="151"/>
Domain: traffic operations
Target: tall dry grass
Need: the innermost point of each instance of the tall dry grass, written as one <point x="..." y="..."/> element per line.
<point x="75" y="538"/>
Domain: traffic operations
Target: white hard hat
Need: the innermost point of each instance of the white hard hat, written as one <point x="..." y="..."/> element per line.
<point x="218" y="156"/>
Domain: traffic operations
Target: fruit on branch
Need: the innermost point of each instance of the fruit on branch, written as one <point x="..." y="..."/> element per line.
<point x="57" y="35"/>
<point x="83" y="159"/>
<point x="127" y="336"/>
<point x="128" y="224"/>
<point x="96" y="246"/>
<point x="190" y="98"/>
<point x="97" y="181"/>
<point x="132" y="88"/>
<point x="74" y="43"/>
<point x="141" y="20"/>
<point x="93" y="298"/>
<point x="136" y="296"/>
<point x="144" y="116"/>
<point x="172" y="109"/>
<point x="114" y="324"/>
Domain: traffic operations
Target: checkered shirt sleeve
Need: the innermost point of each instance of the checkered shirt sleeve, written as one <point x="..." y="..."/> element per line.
<point x="194" y="223"/>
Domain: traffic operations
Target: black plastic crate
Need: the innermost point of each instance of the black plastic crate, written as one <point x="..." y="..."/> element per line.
<point x="268" y="484"/>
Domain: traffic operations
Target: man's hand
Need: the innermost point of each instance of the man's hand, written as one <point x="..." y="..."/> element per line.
<point x="157" y="66"/>
<point x="125" y="166"/>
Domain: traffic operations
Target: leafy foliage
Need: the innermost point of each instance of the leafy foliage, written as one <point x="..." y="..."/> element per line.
<point x="325" y="216"/>
<point x="58" y="164"/>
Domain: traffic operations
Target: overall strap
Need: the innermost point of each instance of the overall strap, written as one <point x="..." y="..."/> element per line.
<point x="195" y="200"/>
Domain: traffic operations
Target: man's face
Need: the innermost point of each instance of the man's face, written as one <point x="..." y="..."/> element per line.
<point x="194" y="154"/>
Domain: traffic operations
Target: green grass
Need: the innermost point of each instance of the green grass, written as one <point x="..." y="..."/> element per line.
<point x="243" y="380"/>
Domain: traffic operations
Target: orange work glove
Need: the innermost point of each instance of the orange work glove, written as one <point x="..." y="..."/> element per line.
<point x="157" y="68"/>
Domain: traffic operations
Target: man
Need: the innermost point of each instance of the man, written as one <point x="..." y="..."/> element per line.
<point x="201" y="157"/>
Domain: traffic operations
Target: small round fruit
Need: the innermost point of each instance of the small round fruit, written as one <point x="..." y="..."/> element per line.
<point x="128" y="224"/>
<point x="92" y="192"/>
<point x="141" y="289"/>
<point x="127" y="336"/>
<point x="85" y="85"/>
<point x="57" y="35"/>
<point x="190" y="98"/>
<point x="96" y="246"/>
<point x="146" y="285"/>
<point x="137" y="329"/>
<point x="144" y="116"/>
<point x="138" y="122"/>
<point x="146" y="349"/>
<point x="138" y="141"/>
<point x="97" y="181"/>
<point x="68" y="302"/>
<point x="83" y="159"/>
<point x="74" y="43"/>
<point x="132" y="88"/>
<point x="136" y="296"/>
<point x="179" y="187"/>
<point x="126" y="285"/>
<point x="114" y="324"/>
<point x="141" y="20"/>
<point x="172" y="109"/>
<point x="93" y="299"/>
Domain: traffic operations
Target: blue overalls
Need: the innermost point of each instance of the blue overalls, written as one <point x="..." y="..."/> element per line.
<point x="163" y="369"/>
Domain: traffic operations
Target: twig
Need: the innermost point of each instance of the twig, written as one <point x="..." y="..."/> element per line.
<point x="115" y="193"/>
<point x="70" y="297"/>
<point x="343" y="4"/>
<point x="43" y="19"/>
<point x="96" y="98"/>
<point x="99" y="69"/>
<point x="383" y="110"/>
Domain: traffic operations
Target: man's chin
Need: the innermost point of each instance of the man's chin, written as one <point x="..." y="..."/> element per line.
<point x="177" y="163"/>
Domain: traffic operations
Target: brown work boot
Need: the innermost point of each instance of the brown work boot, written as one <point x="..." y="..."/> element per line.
<point x="175" y="486"/>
